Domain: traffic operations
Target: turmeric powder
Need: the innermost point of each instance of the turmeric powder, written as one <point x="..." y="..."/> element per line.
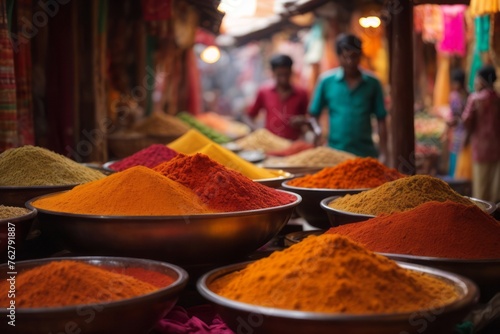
<point x="351" y="174"/>
<point x="399" y="195"/>
<point x="137" y="191"/>
<point x="65" y="283"/>
<point x="332" y="274"/>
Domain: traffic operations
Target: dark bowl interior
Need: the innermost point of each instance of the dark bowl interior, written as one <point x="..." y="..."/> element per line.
<point x="18" y="196"/>
<point x="19" y="228"/>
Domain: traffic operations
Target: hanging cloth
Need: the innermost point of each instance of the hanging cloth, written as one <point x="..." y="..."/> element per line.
<point x="453" y="41"/>
<point x="432" y="28"/>
<point x="483" y="7"/>
<point x="8" y="113"/>
<point x="442" y="85"/>
<point x="482" y="44"/>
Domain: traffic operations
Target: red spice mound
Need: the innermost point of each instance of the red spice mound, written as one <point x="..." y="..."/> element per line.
<point x="150" y="157"/>
<point x="220" y="188"/>
<point x="435" y="229"/>
<point x="154" y="278"/>
<point x="351" y="174"/>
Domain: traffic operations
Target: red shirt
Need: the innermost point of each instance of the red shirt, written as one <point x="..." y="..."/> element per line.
<point x="482" y="112"/>
<point x="278" y="111"/>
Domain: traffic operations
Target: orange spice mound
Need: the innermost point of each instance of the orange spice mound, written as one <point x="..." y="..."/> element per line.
<point x="351" y="174"/>
<point x="332" y="274"/>
<point x="65" y="283"/>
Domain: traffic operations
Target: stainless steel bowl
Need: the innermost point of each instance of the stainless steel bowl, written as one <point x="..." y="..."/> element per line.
<point x="17" y="196"/>
<point x="340" y="217"/>
<point x="275" y="182"/>
<point x="293" y="169"/>
<point x="310" y="209"/>
<point x="191" y="239"/>
<point x="243" y="317"/>
<point x="19" y="227"/>
<point x="485" y="273"/>
<point x="296" y="237"/>
<point x="134" y="315"/>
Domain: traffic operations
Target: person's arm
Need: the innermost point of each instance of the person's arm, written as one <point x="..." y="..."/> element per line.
<point x="316" y="107"/>
<point x="381" y="114"/>
<point x="254" y="110"/>
<point x="468" y="118"/>
<point x="382" y="134"/>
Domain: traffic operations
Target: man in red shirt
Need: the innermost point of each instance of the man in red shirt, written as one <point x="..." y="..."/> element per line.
<point x="482" y="120"/>
<point x="282" y="101"/>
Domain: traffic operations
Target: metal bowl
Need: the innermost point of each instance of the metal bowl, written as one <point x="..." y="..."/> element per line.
<point x="258" y="319"/>
<point x="99" y="168"/>
<point x="17" y="196"/>
<point x="296" y="237"/>
<point x="253" y="156"/>
<point x="275" y="182"/>
<point x="134" y="315"/>
<point x="19" y="227"/>
<point x="310" y="209"/>
<point x="191" y="239"/>
<point x="293" y="169"/>
<point x="340" y="217"/>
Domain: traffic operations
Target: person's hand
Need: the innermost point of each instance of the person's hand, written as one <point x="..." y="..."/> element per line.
<point x="298" y="121"/>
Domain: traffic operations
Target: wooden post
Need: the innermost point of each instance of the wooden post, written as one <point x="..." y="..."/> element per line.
<point x="402" y="124"/>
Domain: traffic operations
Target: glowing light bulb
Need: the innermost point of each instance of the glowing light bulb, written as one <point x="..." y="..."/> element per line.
<point x="210" y="55"/>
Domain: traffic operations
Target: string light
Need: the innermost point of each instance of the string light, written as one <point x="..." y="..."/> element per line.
<point x="210" y="55"/>
<point x="370" y="22"/>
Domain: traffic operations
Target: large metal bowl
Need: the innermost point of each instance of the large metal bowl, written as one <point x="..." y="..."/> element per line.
<point x="340" y="217"/>
<point x="275" y="182"/>
<point x="17" y="196"/>
<point x="257" y="319"/>
<point x="191" y="239"/>
<point x="485" y="273"/>
<point x="19" y="228"/>
<point x="310" y="209"/>
<point x="134" y="315"/>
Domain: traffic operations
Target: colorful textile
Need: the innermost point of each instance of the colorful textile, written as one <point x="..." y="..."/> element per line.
<point x="432" y="27"/>
<point x="486" y="184"/>
<point x="200" y="319"/>
<point x="350" y="111"/>
<point x="482" y="29"/>
<point x="482" y="7"/>
<point x="8" y="114"/>
<point x="453" y="40"/>
<point x="457" y="105"/>
<point x="279" y="112"/>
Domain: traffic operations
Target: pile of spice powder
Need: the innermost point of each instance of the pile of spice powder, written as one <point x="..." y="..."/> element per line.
<point x="161" y="124"/>
<point x="435" y="229"/>
<point x="7" y="212"/>
<point x="220" y="188"/>
<point x="35" y="166"/>
<point x="351" y="174"/>
<point x="400" y="195"/>
<point x="190" y="143"/>
<point x="332" y="274"/>
<point x="296" y="147"/>
<point x="316" y="157"/>
<point x="233" y="161"/>
<point x="263" y="139"/>
<point x="67" y="283"/>
<point x="137" y="191"/>
<point x="150" y="157"/>
<point x="152" y="277"/>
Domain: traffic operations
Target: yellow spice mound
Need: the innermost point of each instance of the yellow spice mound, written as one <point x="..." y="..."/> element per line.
<point x="332" y="274"/>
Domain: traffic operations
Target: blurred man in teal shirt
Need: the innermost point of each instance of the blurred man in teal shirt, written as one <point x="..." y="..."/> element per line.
<point x="352" y="97"/>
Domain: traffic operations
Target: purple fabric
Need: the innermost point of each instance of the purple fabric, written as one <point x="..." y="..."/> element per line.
<point x="199" y="319"/>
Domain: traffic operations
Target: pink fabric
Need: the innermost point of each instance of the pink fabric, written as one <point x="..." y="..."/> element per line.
<point x="453" y="39"/>
<point x="199" y="319"/>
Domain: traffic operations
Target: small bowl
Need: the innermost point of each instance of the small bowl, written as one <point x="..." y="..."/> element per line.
<point x="259" y="319"/>
<point x="254" y="156"/>
<point x="20" y="226"/>
<point x="310" y="209"/>
<point x="191" y="239"/>
<point x="339" y="217"/>
<point x="275" y="182"/>
<point x="133" y="315"/>
<point x="18" y="196"/>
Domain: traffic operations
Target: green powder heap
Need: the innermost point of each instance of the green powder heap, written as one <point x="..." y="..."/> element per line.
<point x="35" y="166"/>
<point x="398" y="196"/>
<point x="7" y="212"/>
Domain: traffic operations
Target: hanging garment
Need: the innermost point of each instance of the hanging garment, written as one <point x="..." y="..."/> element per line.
<point x="482" y="44"/>
<point x="442" y="85"/>
<point x="453" y="40"/>
<point x="432" y="31"/>
<point x="8" y="113"/>
<point x="482" y="7"/>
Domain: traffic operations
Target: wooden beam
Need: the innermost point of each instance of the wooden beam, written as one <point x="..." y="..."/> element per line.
<point x="402" y="117"/>
<point x="441" y="2"/>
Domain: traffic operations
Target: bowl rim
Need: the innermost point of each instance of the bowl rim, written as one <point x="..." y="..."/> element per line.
<point x="324" y="205"/>
<point x="403" y="257"/>
<point x="31" y="214"/>
<point x="490" y="208"/>
<point x="49" y="187"/>
<point x="290" y="187"/>
<point x="293" y="204"/>
<point x="178" y="284"/>
<point x="285" y="176"/>
<point x="466" y="285"/>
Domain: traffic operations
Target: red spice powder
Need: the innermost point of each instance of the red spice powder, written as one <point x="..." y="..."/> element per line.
<point x="156" y="279"/>
<point x="351" y="174"/>
<point x="220" y="188"/>
<point x="149" y="157"/>
<point x="435" y="229"/>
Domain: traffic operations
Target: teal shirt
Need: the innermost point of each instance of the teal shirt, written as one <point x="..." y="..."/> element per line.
<point x="350" y="111"/>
